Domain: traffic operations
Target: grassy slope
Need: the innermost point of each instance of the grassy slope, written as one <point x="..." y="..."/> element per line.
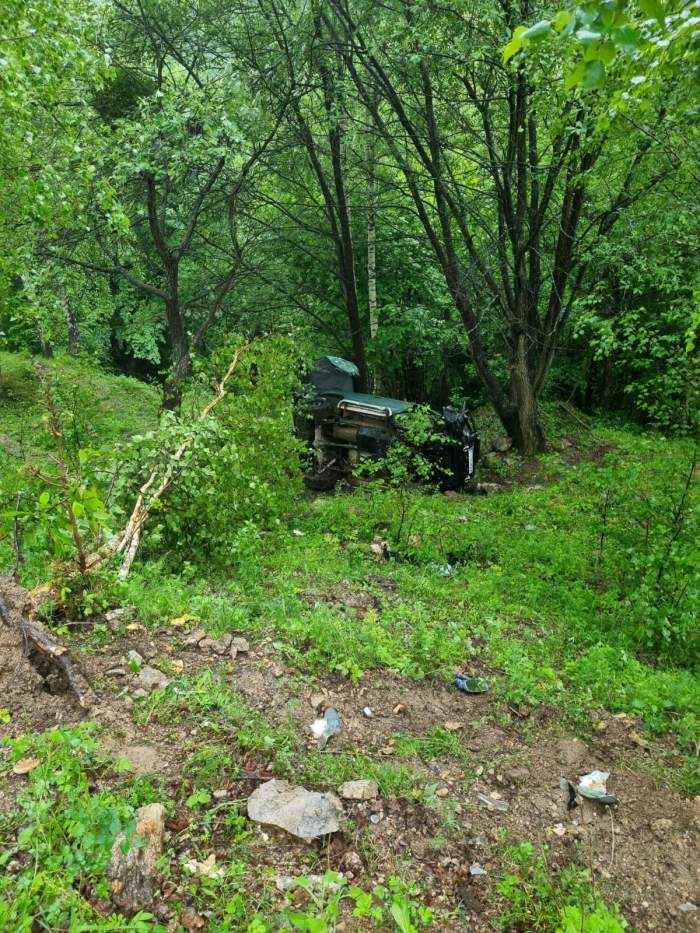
<point x="530" y="604"/>
<point x="529" y="594"/>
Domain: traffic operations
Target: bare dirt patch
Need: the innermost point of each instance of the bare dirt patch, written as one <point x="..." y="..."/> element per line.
<point x="643" y="853"/>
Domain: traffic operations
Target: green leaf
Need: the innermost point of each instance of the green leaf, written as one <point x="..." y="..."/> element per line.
<point x="653" y="8"/>
<point x="513" y="47"/>
<point x="593" y="75"/>
<point x="561" y="20"/>
<point x="538" y="31"/>
<point x="574" y="77"/>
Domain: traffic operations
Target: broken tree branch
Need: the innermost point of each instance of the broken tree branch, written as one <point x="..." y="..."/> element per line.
<point x="56" y="653"/>
<point x="127" y="541"/>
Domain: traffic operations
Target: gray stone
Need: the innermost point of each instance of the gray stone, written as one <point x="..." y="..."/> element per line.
<point x="359" y="790"/>
<point x="217" y="645"/>
<point x="116" y="672"/>
<point x="194" y="638"/>
<point x="240" y="644"/>
<point x="502" y="444"/>
<point x="150" y="678"/>
<point x="134" y="873"/>
<point x="119" y="616"/>
<point x="139" y="693"/>
<point x="303" y="813"/>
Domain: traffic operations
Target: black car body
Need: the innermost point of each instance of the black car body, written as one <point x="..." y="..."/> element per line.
<point x="345" y="427"/>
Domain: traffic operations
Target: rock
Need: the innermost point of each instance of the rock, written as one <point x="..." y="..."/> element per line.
<point x="241" y="645"/>
<point x="133" y="657"/>
<point x="305" y="814"/>
<point x="571" y="752"/>
<point x="502" y="444"/>
<point x="217" y="645"/>
<point x="116" y="672"/>
<point x="150" y="678"/>
<point x="488" y="489"/>
<point x="142" y="758"/>
<point x="134" y="873"/>
<point x="352" y="862"/>
<point x="139" y="694"/>
<point x="661" y="827"/>
<point x="359" y="790"/>
<point x="688" y="908"/>
<point x="118" y="616"/>
<point x="194" y="638"/>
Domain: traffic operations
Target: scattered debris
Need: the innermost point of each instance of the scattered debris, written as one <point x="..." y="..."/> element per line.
<point x="25" y="765"/>
<point x="468" y="684"/>
<point x="688" y="908"/>
<point x="116" y="672"/>
<point x="359" y="790"/>
<point x="476" y="870"/>
<point x="492" y="802"/>
<point x="368" y="712"/>
<point x="207" y="868"/>
<point x="303" y="813"/>
<point x="297" y="533"/>
<point x="398" y="709"/>
<point x="134" y="873"/>
<point x="375" y="818"/>
<point x="452" y="726"/>
<point x="593" y="787"/>
<point x="326" y="727"/>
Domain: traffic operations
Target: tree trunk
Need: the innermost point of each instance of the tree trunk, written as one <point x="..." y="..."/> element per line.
<point x="179" y="344"/>
<point x="44" y="344"/>
<point x="372" y="259"/>
<point x="523" y="424"/>
<point x="71" y="322"/>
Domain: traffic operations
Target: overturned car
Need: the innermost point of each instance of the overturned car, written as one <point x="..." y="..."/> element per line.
<point x="345" y="427"/>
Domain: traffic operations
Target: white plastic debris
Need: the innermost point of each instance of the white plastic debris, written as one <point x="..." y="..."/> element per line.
<point x="593" y="786"/>
<point x="368" y="712"/>
<point x="329" y="725"/>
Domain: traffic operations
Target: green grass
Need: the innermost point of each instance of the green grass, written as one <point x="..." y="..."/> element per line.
<point x="554" y="602"/>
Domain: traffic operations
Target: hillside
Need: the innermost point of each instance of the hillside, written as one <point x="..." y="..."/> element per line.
<point x="369" y="602"/>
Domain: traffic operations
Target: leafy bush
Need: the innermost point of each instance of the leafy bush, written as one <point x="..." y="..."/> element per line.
<point x="242" y="470"/>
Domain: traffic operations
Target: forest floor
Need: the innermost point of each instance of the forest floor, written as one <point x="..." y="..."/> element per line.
<point x="330" y="622"/>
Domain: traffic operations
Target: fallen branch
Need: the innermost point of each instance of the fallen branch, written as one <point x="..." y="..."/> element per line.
<point x="54" y="652"/>
<point x="127" y="541"/>
<point x="572" y="413"/>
